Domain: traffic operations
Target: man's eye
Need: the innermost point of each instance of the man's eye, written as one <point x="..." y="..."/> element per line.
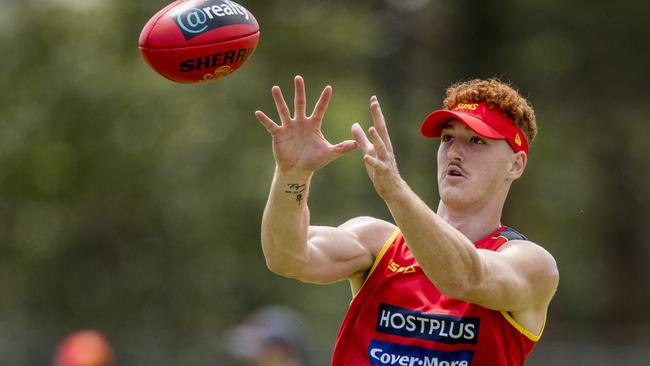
<point x="477" y="140"/>
<point x="445" y="138"/>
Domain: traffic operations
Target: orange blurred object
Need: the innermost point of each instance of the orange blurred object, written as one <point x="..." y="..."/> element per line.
<point x="84" y="348"/>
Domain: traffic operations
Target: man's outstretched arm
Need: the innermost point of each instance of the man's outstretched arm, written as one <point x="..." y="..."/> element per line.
<point x="291" y="246"/>
<point x="317" y="254"/>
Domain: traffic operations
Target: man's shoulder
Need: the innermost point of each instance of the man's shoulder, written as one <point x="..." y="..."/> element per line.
<point x="518" y="244"/>
<point x="512" y="234"/>
<point x="371" y="232"/>
<point x="532" y="255"/>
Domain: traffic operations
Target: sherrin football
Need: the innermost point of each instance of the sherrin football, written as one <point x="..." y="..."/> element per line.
<point x="192" y="41"/>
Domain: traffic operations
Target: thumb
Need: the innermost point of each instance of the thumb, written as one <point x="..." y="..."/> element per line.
<point x="344" y="147"/>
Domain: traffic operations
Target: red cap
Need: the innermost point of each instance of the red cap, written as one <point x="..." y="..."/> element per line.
<point x="84" y="348"/>
<point x="485" y="121"/>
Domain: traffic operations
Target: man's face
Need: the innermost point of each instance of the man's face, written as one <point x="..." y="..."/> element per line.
<point x="472" y="169"/>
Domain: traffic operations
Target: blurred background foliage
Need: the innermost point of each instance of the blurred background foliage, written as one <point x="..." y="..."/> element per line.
<point x="132" y="205"/>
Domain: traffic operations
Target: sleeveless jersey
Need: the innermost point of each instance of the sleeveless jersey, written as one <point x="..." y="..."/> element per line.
<point x="400" y="318"/>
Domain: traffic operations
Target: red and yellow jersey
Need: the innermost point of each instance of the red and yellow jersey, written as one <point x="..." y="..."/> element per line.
<point x="400" y="318"/>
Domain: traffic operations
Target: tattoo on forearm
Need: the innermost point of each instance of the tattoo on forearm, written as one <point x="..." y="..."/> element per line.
<point x="296" y="190"/>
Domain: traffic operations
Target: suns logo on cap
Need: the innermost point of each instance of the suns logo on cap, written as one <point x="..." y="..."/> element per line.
<point x="470" y="106"/>
<point x="518" y="140"/>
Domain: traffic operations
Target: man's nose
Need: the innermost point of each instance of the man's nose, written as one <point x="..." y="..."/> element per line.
<point x="455" y="151"/>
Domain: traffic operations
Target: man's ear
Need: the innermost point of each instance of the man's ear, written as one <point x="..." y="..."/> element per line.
<point x="517" y="165"/>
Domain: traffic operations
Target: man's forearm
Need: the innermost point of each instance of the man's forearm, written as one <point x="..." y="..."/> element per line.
<point x="447" y="257"/>
<point x="285" y="223"/>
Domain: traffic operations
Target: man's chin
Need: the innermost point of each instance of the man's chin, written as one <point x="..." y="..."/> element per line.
<point x="453" y="195"/>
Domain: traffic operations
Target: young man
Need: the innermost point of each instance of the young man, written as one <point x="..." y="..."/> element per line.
<point x="465" y="290"/>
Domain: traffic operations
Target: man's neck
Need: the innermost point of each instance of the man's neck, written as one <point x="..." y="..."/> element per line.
<point x="475" y="223"/>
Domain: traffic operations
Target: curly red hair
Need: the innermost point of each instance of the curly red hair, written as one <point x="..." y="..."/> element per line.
<point x="496" y="94"/>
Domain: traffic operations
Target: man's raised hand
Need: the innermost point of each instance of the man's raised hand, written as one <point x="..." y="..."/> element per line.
<point x="299" y="146"/>
<point x="378" y="153"/>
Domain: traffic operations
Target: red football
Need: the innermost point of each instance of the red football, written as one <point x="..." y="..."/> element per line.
<point x="190" y="41"/>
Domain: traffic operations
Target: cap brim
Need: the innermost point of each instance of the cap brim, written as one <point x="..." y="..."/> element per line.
<point x="433" y="124"/>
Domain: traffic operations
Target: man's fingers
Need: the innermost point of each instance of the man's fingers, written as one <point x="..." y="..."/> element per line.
<point x="380" y="147"/>
<point x="280" y="104"/>
<point x="361" y="138"/>
<point x="321" y="105"/>
<point x="379" y="122"/>
<point x="300" y="97"/>
<point x="378" y="118"/>
<point x="341" y="149"/>
<point x="266" y="121"/>
<point x="345" y="147"/>
<point x="375" y="163"/>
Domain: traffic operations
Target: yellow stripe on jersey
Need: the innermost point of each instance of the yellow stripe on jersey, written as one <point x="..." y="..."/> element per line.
<point x="521" y="328"/>
<point x="378" y="258"/>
